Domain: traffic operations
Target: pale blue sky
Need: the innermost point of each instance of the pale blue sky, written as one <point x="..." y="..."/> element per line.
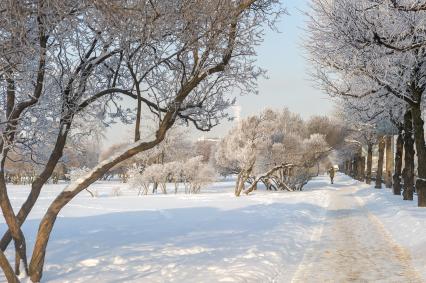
<point x="289" y="85"/>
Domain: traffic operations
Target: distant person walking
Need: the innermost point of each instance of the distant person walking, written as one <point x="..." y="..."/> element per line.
<point x="331" y="174"/>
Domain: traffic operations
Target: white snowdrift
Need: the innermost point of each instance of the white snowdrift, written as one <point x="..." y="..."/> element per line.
<point x="210" y="237"/>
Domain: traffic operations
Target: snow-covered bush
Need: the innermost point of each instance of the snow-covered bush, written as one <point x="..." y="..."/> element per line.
<point x="315" y="148"/>
<point x="197" y="174"/>
<point x="204" y="176"/>
<point x="153" y="175"/>
<point x="193" y="173"/>
<point x="176" y="173"/>
<point x="138" y="180"/>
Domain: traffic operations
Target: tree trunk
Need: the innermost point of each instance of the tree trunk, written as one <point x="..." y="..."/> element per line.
<point x="237" y="184"/>
<point x="419" y="137"/>
<point x="154" y="188"/>
<point x="13" y="225"/>
<point x="72" y="190"/>
<point x="359" y="166"/>
<point x="240" y="184"/>
<point x="369" y="163"/>
<point x="38" y="183"/>
<point x="398" y="164"/>
<point x="380" y="163"/>
<point x="389" y="160"/>
<point x="355" y="165"/>
<point x="7" y="269"/>
<point x="351" y="166"/>
<point x="362" y="169"/>
<point x="408" y="172"/>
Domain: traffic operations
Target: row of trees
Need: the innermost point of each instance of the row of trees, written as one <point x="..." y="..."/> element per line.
<point x="193" y="174"/>
<point x="370" y="55"/>
<point x="65" y="67"/>
<point x="277" y="148"/>
<point x="22" y="171"/>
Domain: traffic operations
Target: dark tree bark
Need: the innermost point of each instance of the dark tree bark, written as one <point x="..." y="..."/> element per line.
<point x="398" y="164"/>
<point x="13" y="225"/>
<point x="369" y="163"/>
<point x="408" y="172"/>
<point x="419" y="137"/>
<point x="355" y="166"/>
<point x="380" y="163"/>
<point x="38" y="183"/>
<point x="362" y="169"/>
<point x="389" y="160"/>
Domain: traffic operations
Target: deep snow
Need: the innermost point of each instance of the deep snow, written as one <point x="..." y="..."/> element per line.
<point x="210" y="237"/>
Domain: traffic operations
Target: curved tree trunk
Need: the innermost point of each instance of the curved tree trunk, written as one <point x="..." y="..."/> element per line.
<point x="240" y="184"/>
<point x="398" y="164"/>
<point x="14" y="226"/>
<point x="380" y="163"/>
<point x="7" y="269"/>
<point x="48" y="220"/>
<point x="266" y="176"/>
<point x="39" y="182"/>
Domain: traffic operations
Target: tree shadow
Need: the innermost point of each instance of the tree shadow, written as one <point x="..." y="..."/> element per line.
<point x="186" y="243"/>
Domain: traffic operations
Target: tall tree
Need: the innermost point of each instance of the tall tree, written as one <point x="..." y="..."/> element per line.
<point x="75" y="60"/>
<point x="369" y="48"/>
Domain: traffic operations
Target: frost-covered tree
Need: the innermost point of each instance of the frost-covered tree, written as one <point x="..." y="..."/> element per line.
<point x="60" y="60"/>
<point x="192" y="173"/>
<point x="138" y="181"/>
<point x="373" y="50"/>
<point x="239" y="150"/>
<point x="197" y="174"/>
<point x="274" y="148"/>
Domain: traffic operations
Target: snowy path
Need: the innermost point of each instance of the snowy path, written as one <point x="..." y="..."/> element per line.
<point x="354" y="246"/>
<point x="327" y="233"/>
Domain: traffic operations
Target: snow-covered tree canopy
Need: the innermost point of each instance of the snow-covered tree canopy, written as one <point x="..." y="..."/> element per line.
<point x="374" y="51"/>
<point x="192" y="173"/>
<point x="68" y="61"/>
<point x="268" y="140"/>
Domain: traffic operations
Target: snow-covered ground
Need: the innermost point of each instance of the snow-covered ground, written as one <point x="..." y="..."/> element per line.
<point x="210" y="237"/>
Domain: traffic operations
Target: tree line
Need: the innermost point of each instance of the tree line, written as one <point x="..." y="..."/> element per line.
<point x="369" y="55"/>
